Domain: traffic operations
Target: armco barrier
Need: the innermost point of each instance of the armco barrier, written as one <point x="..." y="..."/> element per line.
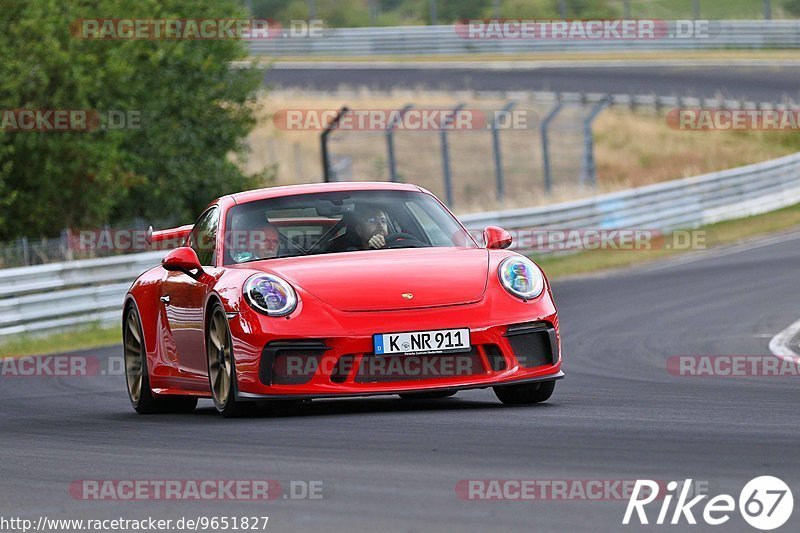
<point x="444" y="40"/>
<point x="63" y="295"/>
<point x="685" y="203"/>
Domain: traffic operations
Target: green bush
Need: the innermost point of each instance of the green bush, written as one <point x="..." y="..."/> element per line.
<point x="194" y="110"/>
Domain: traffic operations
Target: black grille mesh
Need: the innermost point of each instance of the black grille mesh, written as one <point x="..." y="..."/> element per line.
<point x="532" y="349"/>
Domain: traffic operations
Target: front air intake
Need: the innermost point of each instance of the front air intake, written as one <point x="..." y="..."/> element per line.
<point x="534" y="344"/>
<point x="291" y="362"/>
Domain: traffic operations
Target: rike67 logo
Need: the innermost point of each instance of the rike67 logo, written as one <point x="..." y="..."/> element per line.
<point x="765" y="503"/>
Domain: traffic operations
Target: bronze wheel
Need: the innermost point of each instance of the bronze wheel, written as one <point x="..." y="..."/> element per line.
<point x="220" y="364"/>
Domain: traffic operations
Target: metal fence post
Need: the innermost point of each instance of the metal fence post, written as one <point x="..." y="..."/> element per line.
<point x="562" y="8"/>
<point x="626" y="9"/>
<point x="695" y="9"/>
<point x="327" y="176"/>
<point x="390" y="143"/>
<point x="767" y="10"/>
<point x="448" y="182"/>
<point x="26" y="252"/>
<point x="543" y="128"/>
<point x="66" y="248"/>
<point x="374" y="9"/>
<point x="498" y="156"/>
<point x="433" y="12"/>
<point x="589" y="172"/>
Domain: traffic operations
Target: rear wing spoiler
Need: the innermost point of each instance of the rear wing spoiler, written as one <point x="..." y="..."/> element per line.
<point x="171" y="234"/>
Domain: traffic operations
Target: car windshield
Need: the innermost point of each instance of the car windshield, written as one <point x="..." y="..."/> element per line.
<point x="333" y="222"/>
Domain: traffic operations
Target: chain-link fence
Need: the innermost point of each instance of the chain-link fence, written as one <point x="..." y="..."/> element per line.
<point x="24" y="251"/>
<point x="72" y="244"/>
<point x="502" y="152"/>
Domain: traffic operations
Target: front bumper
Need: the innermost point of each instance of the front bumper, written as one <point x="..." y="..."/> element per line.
<point x="328" y="353"/>
<point x="321" y="351"/>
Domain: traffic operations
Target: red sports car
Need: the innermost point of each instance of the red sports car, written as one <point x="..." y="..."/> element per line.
<point x="334" y="290"/>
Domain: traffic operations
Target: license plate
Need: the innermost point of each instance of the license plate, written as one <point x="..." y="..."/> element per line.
<point x="422" y="342"/>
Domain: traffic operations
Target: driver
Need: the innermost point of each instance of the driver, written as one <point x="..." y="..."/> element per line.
<point x="372" y="227"/>
<point x="266" y="244"/>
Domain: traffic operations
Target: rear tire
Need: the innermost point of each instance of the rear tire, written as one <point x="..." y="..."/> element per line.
<point x="436" y="395"/>
<point x="136" y="374"/>
<point x="527" y="393"/>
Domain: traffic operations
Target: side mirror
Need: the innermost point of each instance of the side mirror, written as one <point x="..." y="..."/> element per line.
<point x="183" y="259"/>
<point x="496" y="238"/>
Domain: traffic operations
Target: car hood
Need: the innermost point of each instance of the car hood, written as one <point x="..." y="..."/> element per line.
<point x="378" y="279"/>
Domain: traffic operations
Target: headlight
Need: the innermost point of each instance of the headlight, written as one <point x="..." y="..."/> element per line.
<point x="521" y="277"/>
<point x="270" y="295"/>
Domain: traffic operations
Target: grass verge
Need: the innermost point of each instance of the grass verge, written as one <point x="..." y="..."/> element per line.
<point x="92" y="336"/>
<point x="721" y="233"/>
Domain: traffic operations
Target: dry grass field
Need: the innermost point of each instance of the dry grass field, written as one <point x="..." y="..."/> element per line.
<point x="631" y="149"/>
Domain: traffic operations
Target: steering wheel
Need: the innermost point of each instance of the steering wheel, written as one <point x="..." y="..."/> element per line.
<point x="403" y="240"/>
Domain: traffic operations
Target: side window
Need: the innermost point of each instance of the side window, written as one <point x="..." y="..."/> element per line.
<point x="203" y="239"/>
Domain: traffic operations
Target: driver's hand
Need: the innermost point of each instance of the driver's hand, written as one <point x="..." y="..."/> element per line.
<point x="377" y="241"/>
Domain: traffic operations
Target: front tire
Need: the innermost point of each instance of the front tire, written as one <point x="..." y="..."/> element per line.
<point x="221" y="364"/>
<point x="527" y="393"/>
<point x="136" y="374"/>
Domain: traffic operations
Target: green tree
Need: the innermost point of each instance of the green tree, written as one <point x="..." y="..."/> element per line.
<point x="6" y="195"/>
<point x="194" y="111"/>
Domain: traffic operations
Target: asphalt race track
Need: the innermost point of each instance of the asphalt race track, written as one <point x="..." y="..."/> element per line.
<point x="760" y="84"/>
<point x="393" y="465"/>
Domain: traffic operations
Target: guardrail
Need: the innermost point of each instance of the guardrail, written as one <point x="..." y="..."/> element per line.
<point x="449" y="39"/>
<point x="64" y="295"/>
<point x="685" y="203"/>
